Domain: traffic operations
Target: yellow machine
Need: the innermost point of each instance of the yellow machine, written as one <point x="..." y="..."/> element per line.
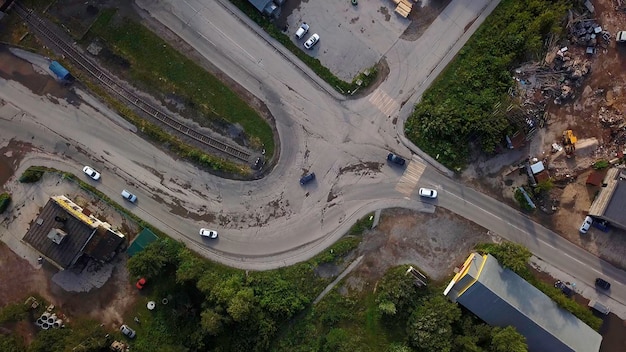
<point x="569" y="142"/>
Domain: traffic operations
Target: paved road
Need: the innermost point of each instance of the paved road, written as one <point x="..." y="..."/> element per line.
<point x="274" y="222"/>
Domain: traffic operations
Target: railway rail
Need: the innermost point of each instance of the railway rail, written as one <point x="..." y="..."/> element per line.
<point x="80" y="59"/>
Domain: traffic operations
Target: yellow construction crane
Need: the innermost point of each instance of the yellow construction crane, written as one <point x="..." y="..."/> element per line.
<point x="569" y="142"/>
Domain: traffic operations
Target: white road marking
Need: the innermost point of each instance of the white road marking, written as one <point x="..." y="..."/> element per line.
<point x="411" y="176"/>
<point x="383" y="102"/>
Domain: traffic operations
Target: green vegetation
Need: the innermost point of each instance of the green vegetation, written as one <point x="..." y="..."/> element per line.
<point x="214" y="305"/>
<point x="366" y="77"/>
<point x="601" y="164"/>
<point x="461" y="105"/>
<point x="521" y="200"/>
<point x="5" y="200"/>
<point x="154" y="63"/>
<point x="33" y="174"/>
<point x="79" y="335"/>
<point x="396" y="316"/>
<point x="515" y="257"/>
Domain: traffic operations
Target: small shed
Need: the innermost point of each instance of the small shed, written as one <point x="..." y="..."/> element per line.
<point x="61" y="72"/>
<point x="537" y="167"/>
<point x="143" y="239"/>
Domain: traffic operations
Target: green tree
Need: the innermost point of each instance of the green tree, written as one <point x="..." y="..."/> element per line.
<point x="398" y="347"/>
<point x="279" y="297"/>
<point x="51" y="340"/>
<point x="156" y="259"/>
<point x="397" y="292"/>
<point x="242" y="304"/>
<point x="190" y="267"/>
<point x="507" y="340"/>
<point x="430" y="324"/>
<point x="512" y="255"/>
<point x="11" y="343"/>
<point x="212" y="322"/>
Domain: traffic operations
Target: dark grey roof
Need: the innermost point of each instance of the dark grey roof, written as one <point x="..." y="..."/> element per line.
<point x="501" y="298"/>
<point x="103" y="244"/>
<point x="64" y="254"/>
<point x="611" y="202"/>
<point x="260" y="4"/>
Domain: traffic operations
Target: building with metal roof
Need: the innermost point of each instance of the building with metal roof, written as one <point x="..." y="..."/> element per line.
<point x="610" y="203"/>
<point x="143" y="239"/>
<point x="64" y="231"/>
<point x="502" y="298"/>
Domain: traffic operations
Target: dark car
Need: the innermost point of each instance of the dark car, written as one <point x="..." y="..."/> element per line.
<point x="307" y="178"/>
<point x="563" y="287"/>
<point x="396" y="159"/>
<point x="602" y="284"/>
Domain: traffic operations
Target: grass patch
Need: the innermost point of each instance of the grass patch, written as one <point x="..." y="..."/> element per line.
<point x="460" y="106"/>
<point x="154" y="63"/>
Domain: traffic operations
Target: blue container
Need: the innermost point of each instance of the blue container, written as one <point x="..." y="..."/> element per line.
<point x="61" y="72"/>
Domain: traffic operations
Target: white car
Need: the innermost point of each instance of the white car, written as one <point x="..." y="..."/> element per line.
<point x="428" y="193"/>
<point x="127" y="331"/>
<point x="586" y="224"/>
<point x="208" y="233"/>
<point x="312" y="41"/>
<point x="91" y="173"/>
<point x="304" y="28"/>
<point x="129" y="196"/>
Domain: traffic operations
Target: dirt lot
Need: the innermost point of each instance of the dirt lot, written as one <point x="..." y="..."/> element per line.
<point x="22" y="275"/>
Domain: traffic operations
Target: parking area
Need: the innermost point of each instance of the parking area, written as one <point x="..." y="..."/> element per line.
<point x="352" y="38"/>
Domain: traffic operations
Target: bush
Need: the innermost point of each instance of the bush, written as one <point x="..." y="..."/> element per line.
<point x="5" y="200"/>
<point x="32" y="174"/>
<point x="601" y="164"/>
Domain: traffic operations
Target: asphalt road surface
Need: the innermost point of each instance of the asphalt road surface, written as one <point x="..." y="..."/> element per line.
<point x="275" y="222"/>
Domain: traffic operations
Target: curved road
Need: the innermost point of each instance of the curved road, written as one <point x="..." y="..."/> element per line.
<point x="274" y="222"/>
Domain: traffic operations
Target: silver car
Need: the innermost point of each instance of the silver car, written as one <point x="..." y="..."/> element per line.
<point x="129" y="196"/>
<point x="586" y="224"/>
<point x="127" y="331"/>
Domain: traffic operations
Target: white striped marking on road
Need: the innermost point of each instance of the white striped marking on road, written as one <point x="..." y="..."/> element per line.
<point x="383" y="102"/>
<point x="410" y="177"/>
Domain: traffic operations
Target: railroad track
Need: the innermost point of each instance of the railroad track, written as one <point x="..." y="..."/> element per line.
<point x="77" y="57"/>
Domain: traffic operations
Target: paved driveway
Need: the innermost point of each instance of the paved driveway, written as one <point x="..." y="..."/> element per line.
<point x="352" y="38"/>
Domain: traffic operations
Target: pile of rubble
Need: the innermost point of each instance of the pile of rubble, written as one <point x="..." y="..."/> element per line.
<point x="589" y="34"/>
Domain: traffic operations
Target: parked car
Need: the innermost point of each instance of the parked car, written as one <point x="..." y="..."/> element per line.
<point x="141" y="283"/>
<point x="129" y="196"/>
<point x="302" y="30"/>
<point x="307" y="178"/>
<point x="563" y="287"/>
<point x="396" y="159"/>
<point x="208" y="233"/>
<point x="312" y="41"/>
<point x="428" y="193"/>
<point x="130" y="333"/>
<point x="621" y="37"/>
<point x="91" y="173"/>
<point x="603" y="284"/>
<point x="586" y="224"/>
<point x="599" y="307"/>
